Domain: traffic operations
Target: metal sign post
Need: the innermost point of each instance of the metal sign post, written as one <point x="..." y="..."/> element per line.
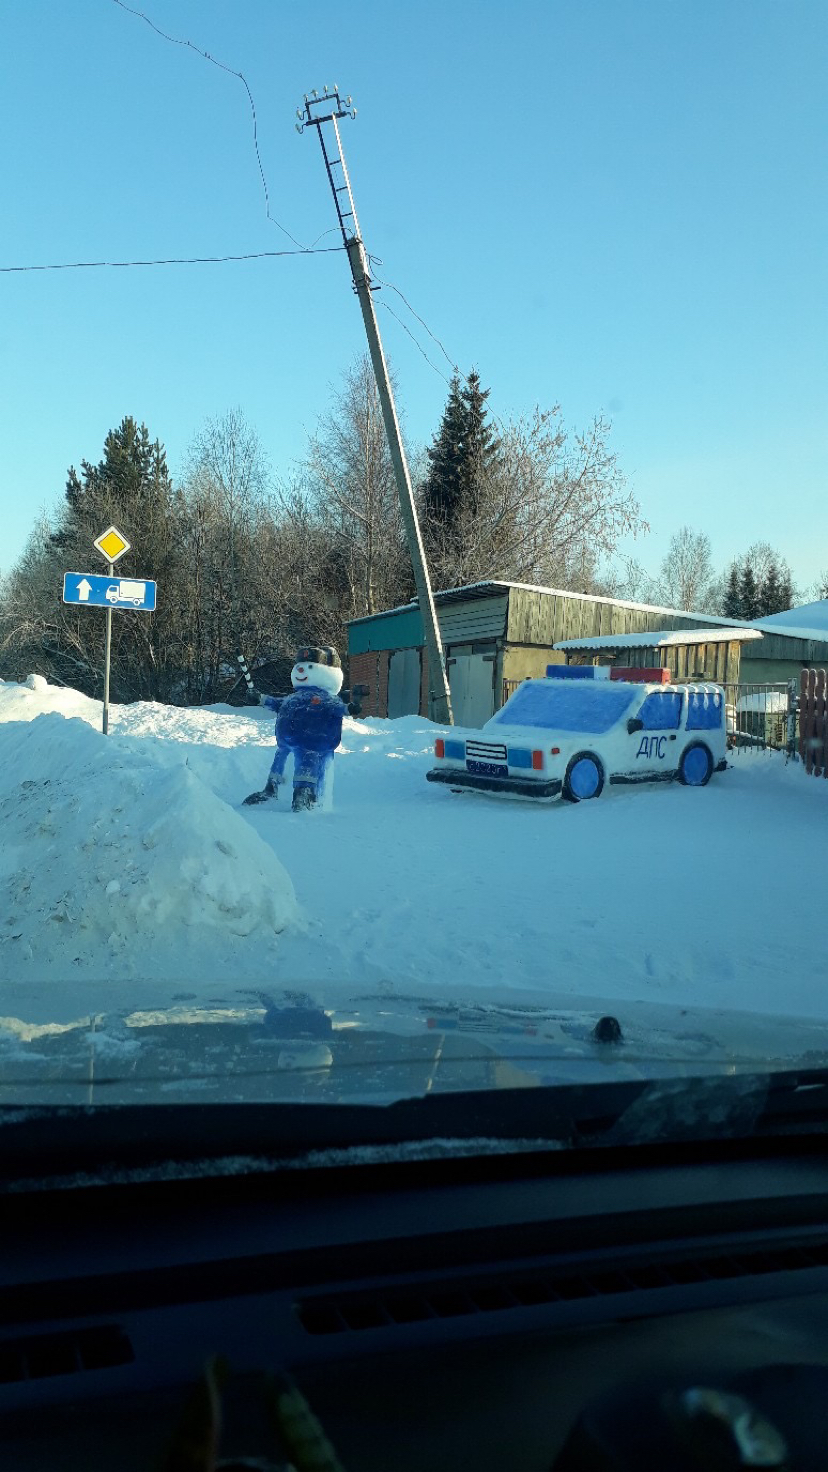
<point x="107" y="659"/>
<point x="94" y="591"/>
<point x="112" y="544"/>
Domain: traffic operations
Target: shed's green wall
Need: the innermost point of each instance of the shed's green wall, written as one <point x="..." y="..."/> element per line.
<point x="399" y="630"/>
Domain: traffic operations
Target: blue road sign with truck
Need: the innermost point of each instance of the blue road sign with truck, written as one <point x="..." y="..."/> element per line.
<point x="90" y="590"/>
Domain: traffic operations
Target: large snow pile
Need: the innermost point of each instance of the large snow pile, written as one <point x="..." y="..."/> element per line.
<point x="117" y="862"/>
<point x="695" y="897"/>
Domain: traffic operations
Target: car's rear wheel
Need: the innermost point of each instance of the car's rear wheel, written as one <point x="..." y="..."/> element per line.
<point x="584" y="778"/>
<point x="696" y="765"/>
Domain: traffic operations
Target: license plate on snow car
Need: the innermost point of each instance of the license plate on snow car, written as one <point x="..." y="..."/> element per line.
<point x="487" y="769"/>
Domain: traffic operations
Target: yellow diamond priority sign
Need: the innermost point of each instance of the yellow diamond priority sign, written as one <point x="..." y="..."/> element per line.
<point x="112" y="544"/>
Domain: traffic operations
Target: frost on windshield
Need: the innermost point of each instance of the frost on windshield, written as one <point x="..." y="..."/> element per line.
<point x="580" y="706"/>
<point x="704" y="710"/>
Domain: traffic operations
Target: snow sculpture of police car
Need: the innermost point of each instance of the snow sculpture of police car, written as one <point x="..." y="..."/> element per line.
<point x="584" y="726"/>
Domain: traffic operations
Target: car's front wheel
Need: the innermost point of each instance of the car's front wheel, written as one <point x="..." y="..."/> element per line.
<point x="584" y="778"/>
<point x="696" y="765"/>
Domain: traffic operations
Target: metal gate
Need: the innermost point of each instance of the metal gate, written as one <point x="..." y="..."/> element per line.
<point x="404" y="683"/>
<point x="471" y="678"/>
<point x="762" y="717"/>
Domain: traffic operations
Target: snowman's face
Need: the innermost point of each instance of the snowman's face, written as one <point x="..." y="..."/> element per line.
<point x="318" y="676"/>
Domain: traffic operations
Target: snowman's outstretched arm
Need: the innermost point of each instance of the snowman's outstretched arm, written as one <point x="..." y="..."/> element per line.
<point x="273" y="702"/>
<point x="354" y="703"/>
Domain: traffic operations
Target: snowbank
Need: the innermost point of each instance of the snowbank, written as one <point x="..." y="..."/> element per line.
<point x="111" y="857"/>
<point x="131" y="858"/>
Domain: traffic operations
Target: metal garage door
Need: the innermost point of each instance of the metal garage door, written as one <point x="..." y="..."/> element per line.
<point x="471" y="681"/>
<point x="404" y="683"/>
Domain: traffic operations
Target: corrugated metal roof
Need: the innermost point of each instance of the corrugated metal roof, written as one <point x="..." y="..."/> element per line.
<point x="658" y="639"/>
<point x="492" y="587"/>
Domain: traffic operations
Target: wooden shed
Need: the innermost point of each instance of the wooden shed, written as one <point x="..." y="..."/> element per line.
<point x="495" y="634"/>
<point x="689" y="654"/>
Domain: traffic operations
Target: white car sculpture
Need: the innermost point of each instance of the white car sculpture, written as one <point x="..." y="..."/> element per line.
<point x="586" y="725"/>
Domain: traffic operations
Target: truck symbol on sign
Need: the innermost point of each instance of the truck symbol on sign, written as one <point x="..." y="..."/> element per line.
<point x="127" y="591"/>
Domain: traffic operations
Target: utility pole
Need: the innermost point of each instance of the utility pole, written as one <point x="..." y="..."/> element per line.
<point x="319" y="112"/>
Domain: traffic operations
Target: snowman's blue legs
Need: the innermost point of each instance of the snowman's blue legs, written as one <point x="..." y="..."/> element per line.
<point x="309" y="776"/>
<point x="276" y="775"/>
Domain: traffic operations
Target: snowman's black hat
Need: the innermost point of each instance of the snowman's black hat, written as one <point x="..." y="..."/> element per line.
<point x="309" y="654"/>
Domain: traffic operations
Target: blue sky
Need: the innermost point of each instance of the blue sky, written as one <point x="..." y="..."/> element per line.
<point x="616" y="205"/>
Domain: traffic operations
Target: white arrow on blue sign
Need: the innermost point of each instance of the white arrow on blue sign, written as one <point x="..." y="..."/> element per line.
<point x="93" y="591"/>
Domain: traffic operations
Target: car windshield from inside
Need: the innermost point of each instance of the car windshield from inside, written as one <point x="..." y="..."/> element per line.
<point x="579" y="705"/>
<point x="413" y="661"/>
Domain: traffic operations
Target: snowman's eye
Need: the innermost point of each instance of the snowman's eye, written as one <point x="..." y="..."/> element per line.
<point x="310" y="666"/>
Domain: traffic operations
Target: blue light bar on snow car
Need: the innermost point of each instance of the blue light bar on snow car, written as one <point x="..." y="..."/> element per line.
<point x="577" y="671"/>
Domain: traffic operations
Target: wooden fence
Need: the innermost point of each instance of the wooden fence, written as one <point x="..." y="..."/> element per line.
<point x="813" y="722"/>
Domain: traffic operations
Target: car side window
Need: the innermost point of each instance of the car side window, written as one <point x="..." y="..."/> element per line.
<point x="661" y="711"/>
<point x="705" y="710"/>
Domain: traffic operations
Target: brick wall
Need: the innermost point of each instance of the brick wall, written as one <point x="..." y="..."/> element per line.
<point x="371" y="669"/>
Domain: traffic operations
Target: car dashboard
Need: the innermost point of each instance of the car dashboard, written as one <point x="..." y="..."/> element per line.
<point x="460" y="1313"/>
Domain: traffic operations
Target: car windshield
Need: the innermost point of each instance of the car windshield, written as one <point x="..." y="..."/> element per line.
<point x="330" y="424"/>
<point x="567" y="705"/>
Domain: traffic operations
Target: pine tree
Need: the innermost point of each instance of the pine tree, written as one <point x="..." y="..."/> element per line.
<point x="130" y="487"/>
<point x="769" y="592"/>
<point x="480" y="444"/>
<point x="443" y="488"/>
<point x="733" y="596"/>
<point x="748" y="595"/>
<point x="130" y="482"/>
<point x="785" y="593"/>
<point x="463" y="450"/>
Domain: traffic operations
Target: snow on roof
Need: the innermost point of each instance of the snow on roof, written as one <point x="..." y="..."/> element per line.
<point x="810" y="617"/>
<point x="659" y="639"/>
<point x="773" y="624"/>
<point x="491" y="586"/>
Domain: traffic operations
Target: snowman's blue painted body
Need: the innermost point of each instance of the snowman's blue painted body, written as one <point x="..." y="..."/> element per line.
<point x="308" y="728"/>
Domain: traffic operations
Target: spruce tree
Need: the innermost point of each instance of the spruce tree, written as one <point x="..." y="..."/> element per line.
<point x="769" y="593"/>
<point x="733" y="597"/>
<point x="785" y="593"/>
<point x="463" y="450"/>
<point x="443" y="488"/>
<point x="131" y="482"/>
<point x="480" y="444"/>
<point x="748" y="595"/>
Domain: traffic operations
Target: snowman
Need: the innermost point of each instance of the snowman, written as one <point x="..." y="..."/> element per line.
<point x="308" y="726"/>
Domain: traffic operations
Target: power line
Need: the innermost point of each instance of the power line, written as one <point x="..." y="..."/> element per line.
<point x="455" y="369"/>
<point x="256" y="255"/>
<point x="422" y="322"/>
<point x="417" y="344"/>
<point x="179" y="41"/>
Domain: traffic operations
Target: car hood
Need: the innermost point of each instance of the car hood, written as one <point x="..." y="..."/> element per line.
<point x="339" y="1044"/>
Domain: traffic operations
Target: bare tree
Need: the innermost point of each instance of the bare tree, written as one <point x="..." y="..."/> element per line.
<point x="550" y="508"/>
<point x="229" y="548"/>
<point x="625" y="578"/>
<point x="349" y="484"/>
<point x="687" y="578"/>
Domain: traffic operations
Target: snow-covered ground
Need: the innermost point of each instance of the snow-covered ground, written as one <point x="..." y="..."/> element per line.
<point x="129" y="863"/>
